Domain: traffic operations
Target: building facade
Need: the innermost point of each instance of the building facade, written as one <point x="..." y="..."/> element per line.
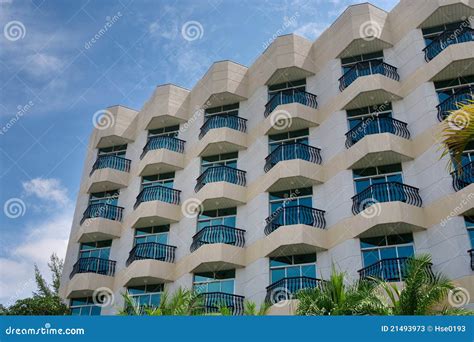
<point x="253" y="184"/>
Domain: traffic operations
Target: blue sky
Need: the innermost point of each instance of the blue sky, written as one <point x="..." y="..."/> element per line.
<point x="53" y="79"/>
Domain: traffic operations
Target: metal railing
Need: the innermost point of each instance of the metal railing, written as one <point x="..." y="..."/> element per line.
<point x="223" y="120"/>
<point x="367" y="68"/>
<point x="375" y="125"/>
<point x="151" y="250"/>
<point x="392" y="269"/>
<point x="290" y="96"/>
<point x="166" y="142"/>
<point x="220" y="174"/>
<point x="386" y="192"/>
<point x="286" y="288"/>
<point x="290" y="152"/>
<point x="103" y="210"/>
<point x="212" y="302"/>
<point x="158" y="193"/>
<point x="93" y="265"/>
<point x="462" y="95"/>
<point x="449" y="37"/>
<point x="112" y="162"/>
<point x="463" y="177"/>
<point x="218" y="234"/>
<point x="298" y="214"/>
<point x="471" y="254"/>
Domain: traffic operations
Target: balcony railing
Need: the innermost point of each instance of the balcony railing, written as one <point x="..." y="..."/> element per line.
<point x="93" y="265"/>
<point x="152" y="250"/>
<point x="365" y="69"/>
<point x="286" y="288"/>
<point x="220" y="174"/>
<point x="298" y="214"/>
<point x="292" y="151"/>
<point x="461" y="35"/>
<point x="471" y="254"/>
<point x="463" y="177"/>
<point x="111" y="162"/>
<point x="103" y="210"/>
<point x="386" y="192"/>
<point x="376" y="125"/>
<point x="462" y="95"/>
<point x="393" y="269"/>
<point x="218" y="234"/>
<point x="223" y="120"/>
<point x="212" y="302"/>
<point x="290" y="96"/>
<point x="158" y="193"/>
<point x="168" y="143"/>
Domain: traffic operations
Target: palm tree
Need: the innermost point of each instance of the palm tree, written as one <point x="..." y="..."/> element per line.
<point x="183" y="302"/>
<point x="458" y="131"/>
<point x="423" y="292"/>
<point x="334" y="297"/>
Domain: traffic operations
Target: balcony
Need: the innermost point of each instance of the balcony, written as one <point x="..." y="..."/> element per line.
<point x="290" y="96"/>
<point x="162" y="154"/>
<point x="224" y="120"/>
<point x="462" y="95"/>
<point x="151" y="250"/>
<point x="367" y="68"/>
<point x="385" y="192"/>
<point x="461" y="35"/>
<point x="291" y="152"/>
<point x="293" y="215"/>
<point x="109" y="172"/>
<point x="393" y="269"/>
<point x="463" y="177"/>
<point x="94" y="265"/>
<point x="158" y="193"/>
<point x="376" y="125"/>
<point x="213" y="301"/>
<point x="218" y="234"/>
<point x="220" y="174"/>
<point x="103" y="210"/>
<point x="286" y="288"/>
<point x="471" y="254"/>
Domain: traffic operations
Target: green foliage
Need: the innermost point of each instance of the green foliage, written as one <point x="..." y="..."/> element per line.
<point x="45" y="300"/>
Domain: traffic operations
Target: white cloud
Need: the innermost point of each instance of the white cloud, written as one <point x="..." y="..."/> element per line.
<point x="41" y="64"/>
<point x="311" y="30"/>
<point x="45" y="236"/>
<point x="49" y="189"/>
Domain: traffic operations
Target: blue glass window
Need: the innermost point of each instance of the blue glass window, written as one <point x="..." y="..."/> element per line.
<point x="148" y="295"/>
<point x="292" y="197"/>
<point x="379" y="248"/>
<point x="469" y="220"/>
<point x="348" y="62"/>
<point x="297" y="86"/>
<point x="225" y="159"/>
<point x="231" y="109"/>
<point x="104" y="197"/>
<point x="225" y="217"/>
<point x="170" y="131"/>
<point x="292" y="266"/>
<point x="356" y="116"/>
<point x="162" y="179"/>
<point x="447" y="88"/>
<point x="299" y="136"/>
<point x="98" y="249"/>
<point x="118" y="151"/>
<point x="363" y="178"/>
<point x="431" y="33"/>
<point x="84" y="307"/>
<point x="157" y="234"/>
<point x="220" y="281"/>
